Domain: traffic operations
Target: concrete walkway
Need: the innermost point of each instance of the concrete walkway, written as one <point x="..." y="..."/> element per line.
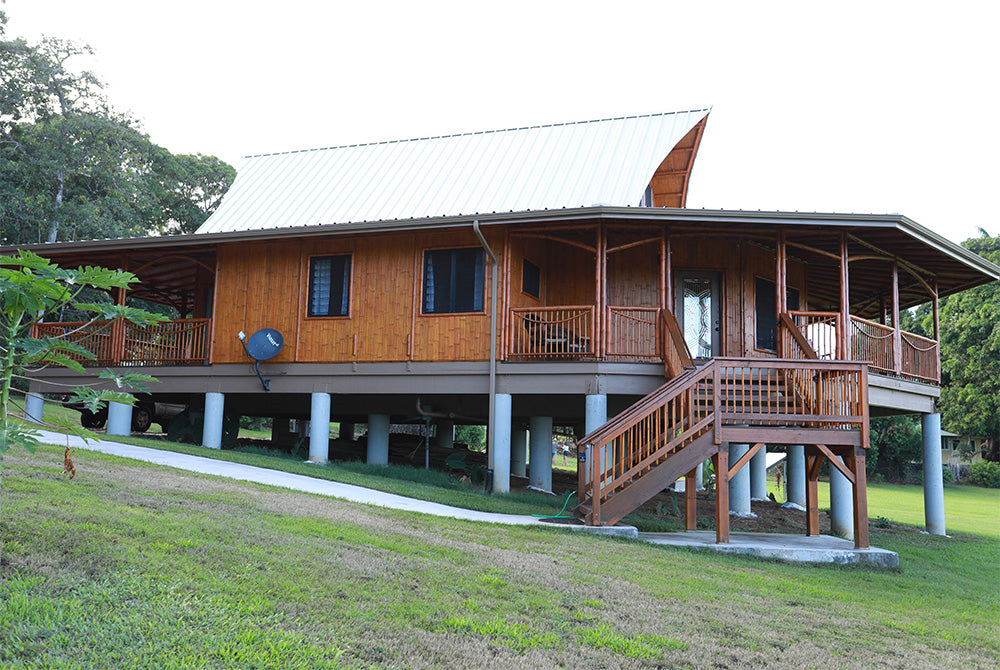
<point x="797" y="548"/>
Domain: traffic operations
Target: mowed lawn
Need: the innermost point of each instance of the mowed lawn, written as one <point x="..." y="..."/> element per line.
<point x="131" y="565"/>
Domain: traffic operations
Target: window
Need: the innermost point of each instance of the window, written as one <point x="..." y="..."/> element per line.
<point x="767" y="312"/>
<point x="453" y="281"/>
<point x="329" y="285"/>
<point x="531" y="279"/>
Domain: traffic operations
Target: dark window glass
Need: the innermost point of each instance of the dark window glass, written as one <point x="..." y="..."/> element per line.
<point x="767" y="312"/>
<point x="453" y="281"/>
<point x="329" y="285"/>
<point x="531" y="279"/>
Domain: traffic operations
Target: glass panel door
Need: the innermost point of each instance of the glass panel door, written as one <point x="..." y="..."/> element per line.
<point x="698" y="312"/>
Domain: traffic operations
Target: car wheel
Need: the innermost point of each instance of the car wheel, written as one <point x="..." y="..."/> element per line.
<point x="142" y="417"/>
<point x="89" y="419"/>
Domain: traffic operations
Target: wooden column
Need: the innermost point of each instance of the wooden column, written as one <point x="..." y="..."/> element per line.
<point x="691" y="501"/>
<point x="780" y="285"/>
<point x="857" y="464"/>
<point x="813" y="462"/>
<point x="897" y="337"/>
<point x="937" y="331"/>
<point x="602" y="298"/>
<point x="845" y="301"/>
<point x="117" y="353"/>
<point x="665" y="297"/>
<point x="598" y="291"/>
<point x="721" y="461"/>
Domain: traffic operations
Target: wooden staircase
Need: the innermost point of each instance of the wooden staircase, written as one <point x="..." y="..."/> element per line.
<point x="696" y="414"/>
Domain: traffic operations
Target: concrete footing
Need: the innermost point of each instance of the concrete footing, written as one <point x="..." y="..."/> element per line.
<point x="841" y="504"/>
<point x="795" y="475"/>
<point x="34" y="406"/>
<point x="378" y="439"/>
<point x="930" y="428"/>
<point x="211" y="434"/>
<point x="500" y="443"/>
<point x="739" y="484"/>
<point x="120" y="420"/>
<point x="319" y="428"/>
<point x="540" y="452"/>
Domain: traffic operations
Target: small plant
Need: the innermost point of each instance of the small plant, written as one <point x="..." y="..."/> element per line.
<point x="881" y="522"/>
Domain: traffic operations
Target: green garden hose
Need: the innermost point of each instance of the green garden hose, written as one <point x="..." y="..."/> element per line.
<point x="560" y="515"/>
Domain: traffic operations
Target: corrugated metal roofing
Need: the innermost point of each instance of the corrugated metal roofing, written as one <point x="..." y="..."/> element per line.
<point x="607" y="162"/>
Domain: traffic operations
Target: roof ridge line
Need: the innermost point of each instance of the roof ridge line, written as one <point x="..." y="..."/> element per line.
<point x="707" y="108"/>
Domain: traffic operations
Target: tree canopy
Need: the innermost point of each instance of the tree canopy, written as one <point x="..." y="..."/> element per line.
<point x="73" y="167"/>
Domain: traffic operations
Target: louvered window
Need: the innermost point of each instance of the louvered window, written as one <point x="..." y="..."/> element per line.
<point x="329" y="285"/>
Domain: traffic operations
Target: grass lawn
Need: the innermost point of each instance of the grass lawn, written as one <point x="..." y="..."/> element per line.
<point x="140" y="566"/>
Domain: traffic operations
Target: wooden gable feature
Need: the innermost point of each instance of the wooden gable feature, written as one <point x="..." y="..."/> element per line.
<point x="669" y="184"/>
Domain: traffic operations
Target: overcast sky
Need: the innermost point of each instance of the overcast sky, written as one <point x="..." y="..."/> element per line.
<point x="868" y="107"/>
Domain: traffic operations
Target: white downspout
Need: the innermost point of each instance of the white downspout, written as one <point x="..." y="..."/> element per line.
<point x="490" y="428"/>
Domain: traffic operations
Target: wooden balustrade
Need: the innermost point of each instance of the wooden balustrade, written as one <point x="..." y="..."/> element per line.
<point x="177" y="342"/>
<point x="552" y="332"/>
<point x="676" y="355"/>
<point x="820" y="329"/>
<point x="920" y="357"/>
<point x="872" y="342"/>
<point x="632" y="333"/>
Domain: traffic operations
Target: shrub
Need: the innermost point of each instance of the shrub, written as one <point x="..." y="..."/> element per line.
<point x="985" y="473"/>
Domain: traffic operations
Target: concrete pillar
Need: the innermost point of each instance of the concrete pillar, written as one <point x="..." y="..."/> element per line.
<point x="758" y="475"/>
<point x="445" y="434"/>
<point x="930" y="428"/>
<point x="540" y="452"/>
<point x="34" y="406"/>
<point x="795" y="474"/>
<point x="119" y="419"/>
<point x="841" y="504"/>
<point x="319" y="428"/>
<point x="739" y="484"/>
<point x="378" y="439"/>
<point x="346" y="431"/>
<point x="211" y="434"/>
<point x="500" y="442"/>
<point x="519" y="452"/>
<point x="595" y="416"/>
<point x="699" y="477"/>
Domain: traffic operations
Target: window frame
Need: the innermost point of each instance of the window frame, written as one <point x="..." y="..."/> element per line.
<point x="309" y="284"/>
<point x="423" y="280"/>
<point x="756" y="311"/>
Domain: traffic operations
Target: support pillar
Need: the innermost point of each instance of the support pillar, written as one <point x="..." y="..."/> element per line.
<point x="699" y="477"/>
<point x="444" y="436"/>
<point x="841" y="504"/>
<point x="120" y="420"/>
<point x="739" y="484"/>
<point x="378" y="439"/>
<point x="930" y="428"/>
<point x="34" y="406"/>
<point x="596" y="415"/>
<point x="346" y="431"/>
<point x="319" y="428"/>
<point x="758" y="475"/>
<point x="211" y="434"/>
<point x="540" y="452"/>
<point x="501" y="443"/>
<point x="795" y="474"/>
<point x="519" y="452"/>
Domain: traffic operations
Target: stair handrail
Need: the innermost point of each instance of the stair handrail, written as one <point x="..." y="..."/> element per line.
<point x="661" y="396"/>
<point x="676" y="355"/>
<point x="805" y="349"/>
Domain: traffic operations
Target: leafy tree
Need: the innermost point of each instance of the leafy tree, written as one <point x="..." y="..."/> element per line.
<point x="895" y="444"/>
<point x="30" y="288"/>
<point x="72" y="167"/>
<point x="970" y="354"/>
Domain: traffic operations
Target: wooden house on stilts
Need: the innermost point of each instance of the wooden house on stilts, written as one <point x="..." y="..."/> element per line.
<point x="539" y="276"/>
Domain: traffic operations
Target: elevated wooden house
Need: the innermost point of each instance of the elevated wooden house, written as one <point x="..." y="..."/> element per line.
<point x="536" y="276"/>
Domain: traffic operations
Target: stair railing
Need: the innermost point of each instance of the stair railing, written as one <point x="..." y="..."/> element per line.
<point x="676" y="355"/>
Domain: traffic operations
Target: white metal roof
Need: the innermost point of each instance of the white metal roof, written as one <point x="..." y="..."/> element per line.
<point x="607" y="162"/>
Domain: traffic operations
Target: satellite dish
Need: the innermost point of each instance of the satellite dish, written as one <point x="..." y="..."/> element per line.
<point x="265" y="344"/>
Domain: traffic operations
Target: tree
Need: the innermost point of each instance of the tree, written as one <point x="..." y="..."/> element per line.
<point x="970" y="354"/>
<point x="895" y="444"/>
<point x="72" y="167"/>
<point x="30" y="288"/>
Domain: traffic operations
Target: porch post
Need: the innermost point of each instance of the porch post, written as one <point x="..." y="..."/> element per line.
<point x="519" y="451"/>
<point x="845" y="301"/>
<point x="739" y="484"/>
<point x="34" y="406"/>
<point x="540" y="452"/>
<point x="780" y="285"/>
<point x="378" y="439"/>
<point x="937" y="331"/>
<point x="319" y="428"/>
<point x="897" y="337"/>
<point x="930" y="429"/>
<point x="501" y="444"/>
<point x="211" y="435"/>
<point x="721" y="461"/>
<point x="795" y="476"/>
<point x="664" y="270"/>
<point x="758" y="475"/>
<point x="841" y="504"/>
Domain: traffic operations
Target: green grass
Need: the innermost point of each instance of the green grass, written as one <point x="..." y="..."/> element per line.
<point x="141" y="566"/>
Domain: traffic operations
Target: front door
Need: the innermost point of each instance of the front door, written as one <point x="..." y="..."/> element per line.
<point x="698" y="307"/>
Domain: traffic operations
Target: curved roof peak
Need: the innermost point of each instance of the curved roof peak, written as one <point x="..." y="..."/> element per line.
<point x="552" y="166"/>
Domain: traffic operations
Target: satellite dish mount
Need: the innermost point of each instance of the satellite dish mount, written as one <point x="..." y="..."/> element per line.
<point x="263" y="345"/>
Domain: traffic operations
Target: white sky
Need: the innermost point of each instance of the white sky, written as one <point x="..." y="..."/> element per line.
<point x="868" y="107"/>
